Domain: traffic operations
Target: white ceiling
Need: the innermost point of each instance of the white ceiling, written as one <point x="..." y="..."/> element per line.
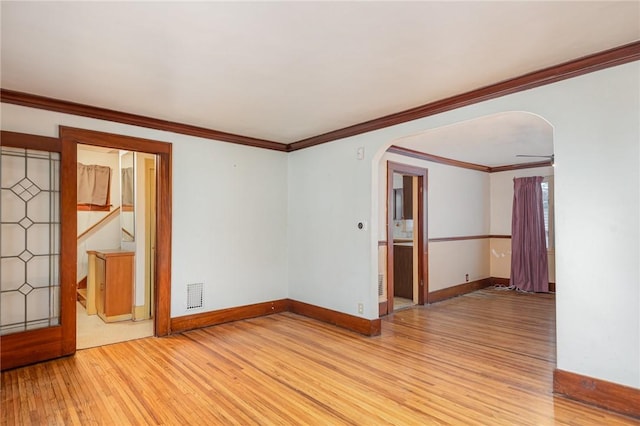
<point x="494" y="140"/>
<point x="285" y="71"/>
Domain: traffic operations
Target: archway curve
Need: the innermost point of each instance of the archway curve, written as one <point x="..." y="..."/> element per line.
<point x="533" y="132"/>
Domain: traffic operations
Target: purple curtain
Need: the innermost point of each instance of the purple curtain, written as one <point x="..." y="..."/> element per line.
<point x="529" y="269"/>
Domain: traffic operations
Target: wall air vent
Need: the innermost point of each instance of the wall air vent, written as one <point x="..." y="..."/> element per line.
<point x="380" y="284"/>
<point x="194" y="296"/>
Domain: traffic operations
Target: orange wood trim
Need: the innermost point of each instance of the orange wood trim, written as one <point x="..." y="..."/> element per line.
<point x="435" y="158"/>
<point x="423" y="253"/>
<point x="552" y="287"/>
<point x="497" y="169"/>
<point x="128" y="234"/>
<point x="382" y="243"/>
<point x="462" y="238"/>
<point x="205" y="319"/>
<point x="163" y="152"/>
<point x="459" y="290"/>
<point x="82" y="283"/>
<point x="111" y="140"/>
<point x="350" y="322"/>
<point x="24" y="140"/>
<point x="611" y="396"/>
<point x="468" y="237"/>
<point x="98" y="224"/>
<point x="58" y="105"/>
<point x="456" y="163"/>
<point x="93" y="208"/>
<point x="68" y="244"/>
<point x="164" y="196"/>
<point x="29" y="347"/>
<point x="574" y="68"/>
<point x="382" y="309"/>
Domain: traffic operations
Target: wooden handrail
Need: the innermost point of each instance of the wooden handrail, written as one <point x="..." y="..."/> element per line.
<point x="101" y="222"/>
<point x="127" y="233"/>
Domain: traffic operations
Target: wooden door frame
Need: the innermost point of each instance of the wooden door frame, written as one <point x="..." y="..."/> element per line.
<point x="70" y="137"/>
<point x="423" y="241"/>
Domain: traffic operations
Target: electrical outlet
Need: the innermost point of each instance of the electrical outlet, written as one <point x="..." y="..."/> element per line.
<point x="466" y="277"/>
<point x="360" y="308"/>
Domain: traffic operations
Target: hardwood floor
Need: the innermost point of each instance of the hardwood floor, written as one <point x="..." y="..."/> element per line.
<point x="467" y="360"/>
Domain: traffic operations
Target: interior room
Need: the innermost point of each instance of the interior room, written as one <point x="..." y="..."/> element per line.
<point x="115" y="243"/>
<point x="309" y="217"/>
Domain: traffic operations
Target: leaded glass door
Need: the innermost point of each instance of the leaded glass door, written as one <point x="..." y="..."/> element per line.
<point x="37" y="310"/>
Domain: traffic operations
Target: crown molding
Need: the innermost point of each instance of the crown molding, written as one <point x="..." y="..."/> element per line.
<point x="66" y="107"/>
<point x="393" y="149"/>
<point x="574" y="68"/>
<point x="456" y="163"/>
<point x="587" y="64"/>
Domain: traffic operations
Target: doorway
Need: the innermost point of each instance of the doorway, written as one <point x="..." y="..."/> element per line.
<point x="114" y="305"/>
<point x="407" y="255"/>
<point x="162" y="250"/>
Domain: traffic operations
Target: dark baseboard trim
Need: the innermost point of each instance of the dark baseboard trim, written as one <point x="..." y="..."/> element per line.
<point x="458" y="290"/>
<point x="500" y="281"/>
<point x="505" y="282"/>
<point x="206" y="319"/>
<point x="611" y="396"/>
<point x="382" y="308"/>
<point x="350" y="322"/>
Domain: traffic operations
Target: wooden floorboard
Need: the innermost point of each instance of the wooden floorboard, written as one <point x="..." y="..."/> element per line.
<point x="470" y="360"/>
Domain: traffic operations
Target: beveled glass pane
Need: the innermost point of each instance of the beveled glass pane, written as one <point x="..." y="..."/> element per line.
<point x="39" y="208"/>
<point x="38" y="273"/>
<point x="38" y="173"/>
<point x="13" y="239"/>
<point x="38" y="239"/>
<point x="30" y="229"/>
<point x="13" y="208"/>
<point x="12" y="311"/>
<point x="12" y="273"/>
<point x="13" y="169"/>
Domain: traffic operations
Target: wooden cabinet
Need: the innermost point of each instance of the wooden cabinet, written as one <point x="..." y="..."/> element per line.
<point x="403" y="271"/>
<point x="114" y="284"/>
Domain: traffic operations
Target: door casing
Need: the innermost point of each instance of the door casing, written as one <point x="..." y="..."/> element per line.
<point x="420" y="224"/>
<point x="32" y="346"/>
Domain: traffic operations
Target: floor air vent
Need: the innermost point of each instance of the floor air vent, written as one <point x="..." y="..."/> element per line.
<point x="194" y="296"/>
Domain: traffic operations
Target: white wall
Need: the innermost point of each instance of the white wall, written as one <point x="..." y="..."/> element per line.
<point x="596" y="123"/>
<point x="329" y="257"/>
<point x="457" y="205"/>
<point x="108" y="236"/>
<point x="230" y="215"/>
<point x="229" y="211"/>
<point x="502" y="196"/>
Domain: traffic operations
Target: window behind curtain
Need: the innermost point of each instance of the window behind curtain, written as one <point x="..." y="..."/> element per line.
<point x="547" y="205"/>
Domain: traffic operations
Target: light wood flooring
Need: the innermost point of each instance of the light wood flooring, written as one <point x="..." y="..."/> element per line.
<point x="465" y="361"/>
